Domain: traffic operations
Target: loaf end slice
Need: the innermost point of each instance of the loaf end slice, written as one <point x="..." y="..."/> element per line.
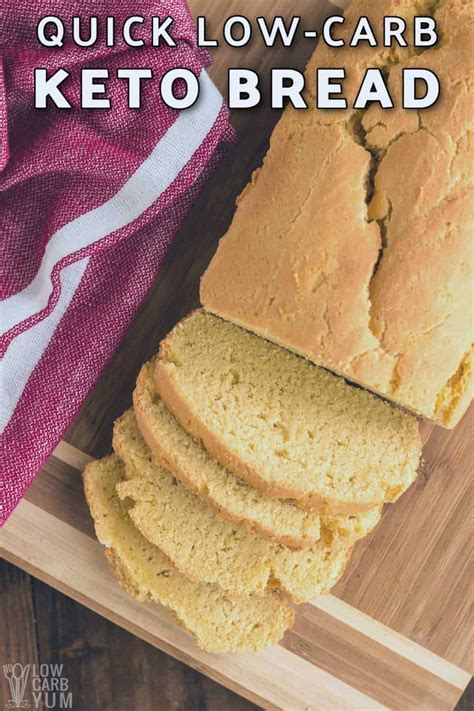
<point x="219" y="622"/>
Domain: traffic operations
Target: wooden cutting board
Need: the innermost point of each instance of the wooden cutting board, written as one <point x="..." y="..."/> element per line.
<point x="395" y="633"/>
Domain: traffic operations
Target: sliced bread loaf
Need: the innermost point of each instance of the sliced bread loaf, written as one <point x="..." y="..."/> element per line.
<point x="207" y="548"/>
<point x="284" y="425"/>
<point x="189" y="461"/>
<point x="219" y="622"/>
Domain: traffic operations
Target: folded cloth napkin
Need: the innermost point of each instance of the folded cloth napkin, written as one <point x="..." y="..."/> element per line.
<point x="90" y="201"/>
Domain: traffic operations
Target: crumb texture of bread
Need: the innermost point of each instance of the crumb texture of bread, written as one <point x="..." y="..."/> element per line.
<point x="352" y="244"/>
<point x="286" y="426"/>
<point x="220" y="622"/>
<point x="207" y="548"/>
<point x="187" y="459"/>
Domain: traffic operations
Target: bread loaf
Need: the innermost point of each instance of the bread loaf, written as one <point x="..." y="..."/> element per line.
<point x="188" y="460"/>
<point x="286" y="426"/>
<point x="352" y="244"/>
<point x="219" y="622"/>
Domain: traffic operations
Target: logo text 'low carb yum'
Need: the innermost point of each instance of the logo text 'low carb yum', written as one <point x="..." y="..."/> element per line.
<point x="37" y="686"/>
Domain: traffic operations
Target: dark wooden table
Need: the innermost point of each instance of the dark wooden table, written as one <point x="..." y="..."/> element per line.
<point x="106" y="667"/>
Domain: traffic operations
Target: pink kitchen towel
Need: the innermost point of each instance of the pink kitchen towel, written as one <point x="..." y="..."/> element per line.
<point x="90" y="201"/>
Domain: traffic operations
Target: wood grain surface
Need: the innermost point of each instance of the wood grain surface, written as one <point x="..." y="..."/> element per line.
<point x="395" y="633"/>
<point x="107" y="668"/>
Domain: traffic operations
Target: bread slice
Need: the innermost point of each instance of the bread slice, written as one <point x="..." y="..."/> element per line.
<point x="207" y="548"/>
<point x="175" y="449"/>
<point x="289" y="428"/>
<point x="188" y="460"/>
<point x="219" y="622"/>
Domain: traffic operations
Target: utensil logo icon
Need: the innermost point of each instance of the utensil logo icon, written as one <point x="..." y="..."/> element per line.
<point x="17" y="676"/>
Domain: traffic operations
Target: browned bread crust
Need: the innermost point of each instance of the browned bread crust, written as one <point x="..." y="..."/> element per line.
<point x="352" y="244"/>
